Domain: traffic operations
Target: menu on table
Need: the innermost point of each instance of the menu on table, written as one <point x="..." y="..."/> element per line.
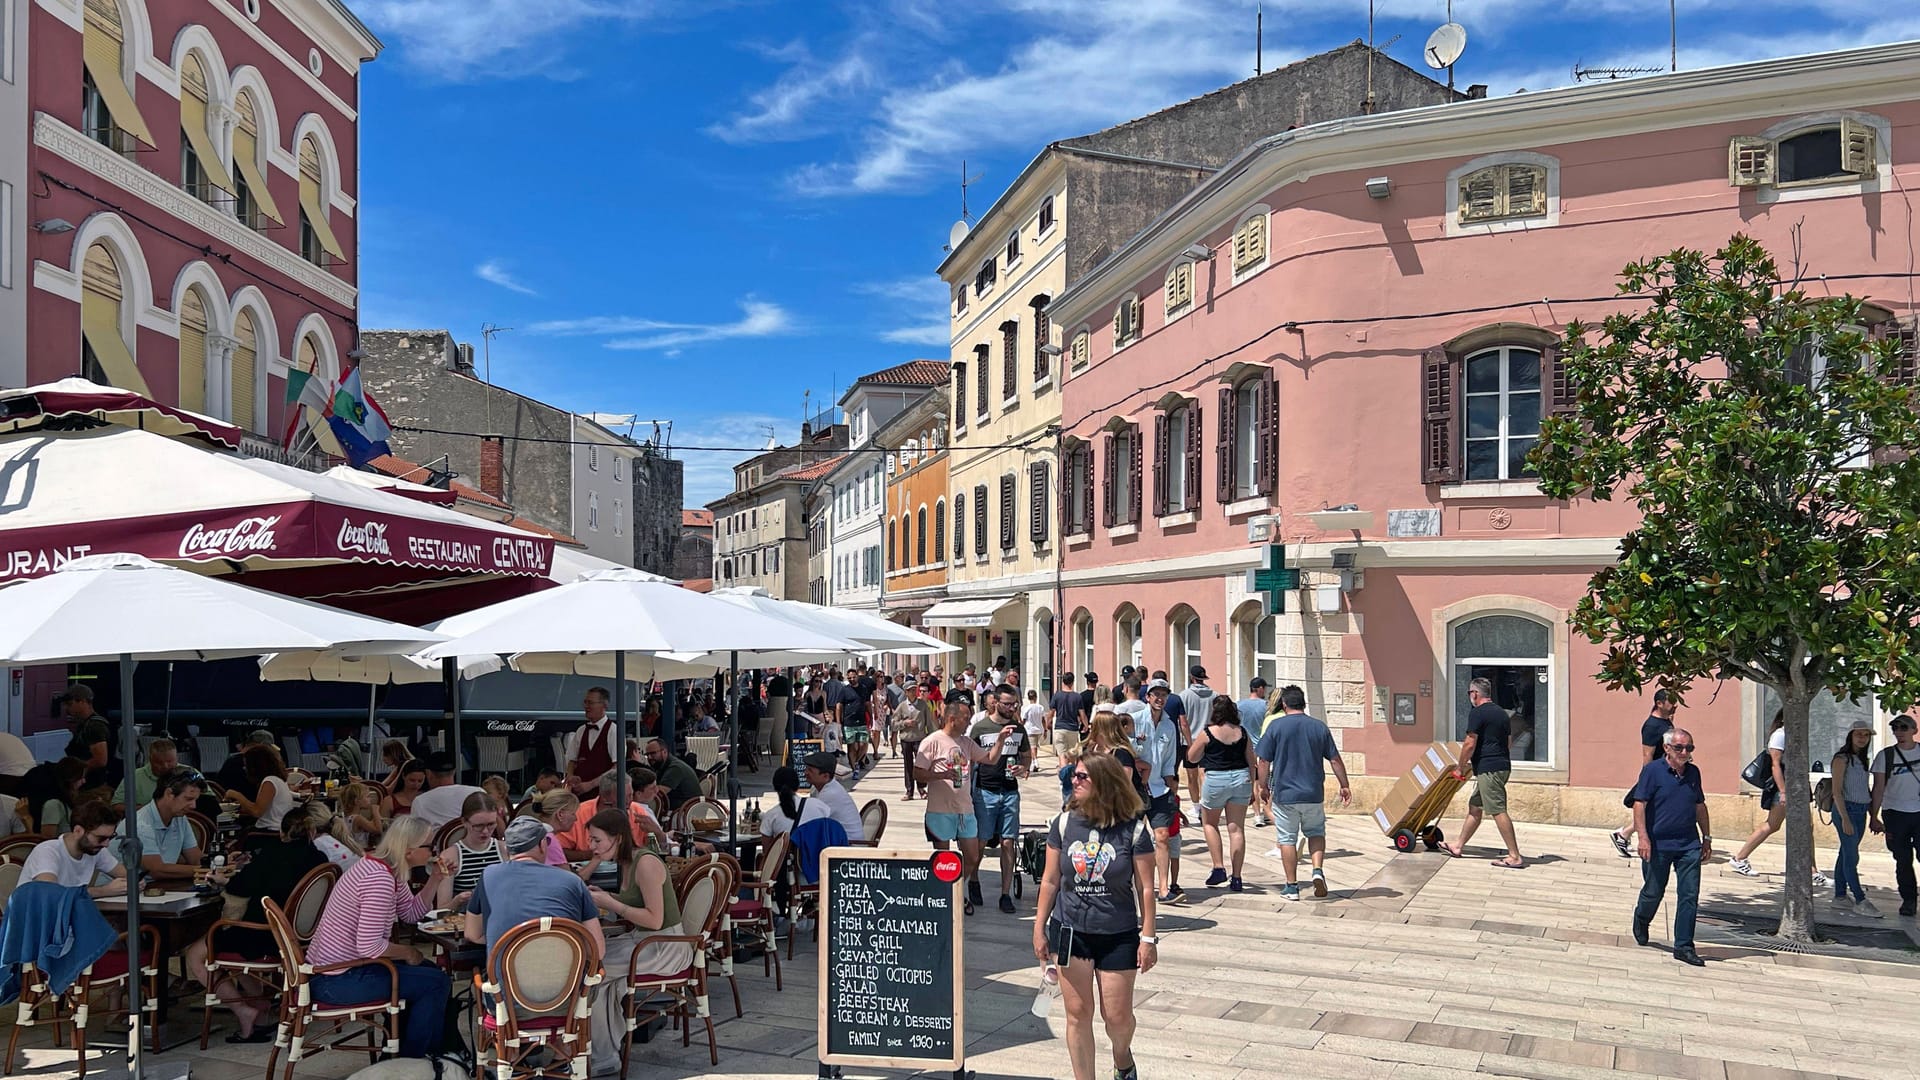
<point x="891" y="966"/>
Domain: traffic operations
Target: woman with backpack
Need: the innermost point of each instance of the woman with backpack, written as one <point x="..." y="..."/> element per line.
<point x="1851" y="796"/>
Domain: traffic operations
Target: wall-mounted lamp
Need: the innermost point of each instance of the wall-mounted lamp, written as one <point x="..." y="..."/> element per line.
<point x="1196" y="251"/>
<point x="1379" y="187"/>
<point x="1049" y="349"/>
<point x="53" y="226"/>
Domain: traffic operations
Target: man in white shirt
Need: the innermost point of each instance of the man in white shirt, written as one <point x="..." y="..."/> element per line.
<point x="15" y="758"/>
<point x="442" y="800"/>
<point x="83" y="854"/>
<point x="829" y="799"/>
<point x="1895" y="809"/>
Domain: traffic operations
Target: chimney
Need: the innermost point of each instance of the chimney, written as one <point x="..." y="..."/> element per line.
<point x="463" y="358"/>
<point x="806" y="431"/>
<point x="1477" y="92"/>
<point x="492" y="465"/>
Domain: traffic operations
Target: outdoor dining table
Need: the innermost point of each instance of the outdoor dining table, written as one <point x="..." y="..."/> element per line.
<point x="179" y="923"/>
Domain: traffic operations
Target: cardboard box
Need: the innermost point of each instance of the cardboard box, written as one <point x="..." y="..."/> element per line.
<point x="1420" y="795"/>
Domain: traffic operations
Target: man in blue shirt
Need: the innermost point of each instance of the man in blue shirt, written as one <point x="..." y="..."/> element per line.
<point x="1157" y="743"/>
<point x="1670" y="814"/>
<point x="1295" y="750"/>
<point x="1253" y="718"/>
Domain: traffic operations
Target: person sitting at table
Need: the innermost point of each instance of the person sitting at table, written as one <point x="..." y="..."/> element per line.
<point x="522" y="888"/>
<point x="466" y="858"/>
<point x="275" y="868"/>
<point x="333" y="837"/>
<point x="643" y="897"/>
<point x="49" y="793"/>
<point x="394" y="755"/>
<point x="649" y="724"/>
<point x="413" y="781"/>
<point x="162" y="757"/>
<point x="232" y="774"/>
<point x="83" y="855"/>
<point x="703" y="723"/>
<point x="273" y="796"/>
<point x="169" y="852"/>
<point x="682" y="784"/>
<point x="829" y="798"/>
<point x="788" y="804"/>
<point x="356" y="924"/>
<point x="496" y="786"/>
<point x="574" y="840"/>
<point x="557" y="811"/>
<point x="360" y="808"/>
<point x="442" y="800"/>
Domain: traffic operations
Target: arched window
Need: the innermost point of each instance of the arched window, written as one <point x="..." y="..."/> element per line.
<point x="306" y="357"/>
<point x="251" y="199"/>
<point x="318" y="245"/>
<point x="1259" y="645"/>
<point x="939" y="530"/>
<point x="1250" y="242"/>
<point x="890" y="544"/>
<point x="1126" y="322"/>
<point x="108" y="113"/>
<point x="105" y="354"/>
<point x="1083" y="641"/>
<point x="1178" y="290"/>
<point x="202" y="171"/>
<point x="193" y="350"/>
<point x="593" y="511"/>
<point x="1127" y="638"/>
<point x="1515" y="653"/>
<point x="920" y="538"/>
<point x="1183" y="642"/>
<point x="906" y="540"/>
<point x="1250" y="457"/>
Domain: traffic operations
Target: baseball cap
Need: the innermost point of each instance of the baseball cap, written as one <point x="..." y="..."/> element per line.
<point x="1197" y="672"/>
<point x="822" y="761"/>
<point x="1257" y="683"/>
<point x="1157" y="684"/>
<point x="525" y="834"/>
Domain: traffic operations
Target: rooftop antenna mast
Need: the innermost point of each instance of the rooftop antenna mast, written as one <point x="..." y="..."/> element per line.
<point x="966" y="180"/>
<point x="487" y="331"/>
<point x="1673" y="35"/>
<point x="1259" y="38"/>
<point x="1367" y="106"/>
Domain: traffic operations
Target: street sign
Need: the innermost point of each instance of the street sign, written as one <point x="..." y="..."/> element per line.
<point x="1276" y="579"/>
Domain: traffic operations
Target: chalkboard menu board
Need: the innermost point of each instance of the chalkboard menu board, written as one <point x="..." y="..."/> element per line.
<point x="890" y="959"/>
<point x="797" y="751"/>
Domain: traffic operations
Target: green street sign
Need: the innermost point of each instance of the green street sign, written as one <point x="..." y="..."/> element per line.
<point x="1276" y="579"/>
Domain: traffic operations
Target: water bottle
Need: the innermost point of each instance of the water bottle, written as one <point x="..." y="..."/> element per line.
<point x="1049" y="990"/>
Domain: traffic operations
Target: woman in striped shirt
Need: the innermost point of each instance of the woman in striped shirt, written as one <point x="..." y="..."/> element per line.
<point x="354" y="928"/>
<point x="472" y="853"/>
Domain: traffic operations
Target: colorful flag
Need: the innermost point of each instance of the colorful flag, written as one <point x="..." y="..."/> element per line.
<point x="357" y="421"/>
<point x="304" y="391"/>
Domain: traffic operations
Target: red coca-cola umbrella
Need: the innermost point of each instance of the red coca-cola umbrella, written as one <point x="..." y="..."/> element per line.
<point x="66" y="494"/>
<point x="77" y="398"/>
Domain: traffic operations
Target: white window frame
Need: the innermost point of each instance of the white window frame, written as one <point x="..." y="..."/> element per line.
<point x="1079" y="351"/>
<point x="616" y="466"/>
<point x="1083" y="634"/>
<point x="1238" y="274"/>
<point x="1444" y="620"/>
<point x="1802" y="190"/>
<point x="1246" y="441"/>
<point x="1511" y="224"/>
<point x="1179" y="428"/>
<point x="593" y="511"/>
<point x="1503" y="393"/>
<point x="1184" y="644"/>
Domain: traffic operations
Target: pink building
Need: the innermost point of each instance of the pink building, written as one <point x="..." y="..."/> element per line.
<point x="1362" y="314"/>
<point x="194" y="169"/>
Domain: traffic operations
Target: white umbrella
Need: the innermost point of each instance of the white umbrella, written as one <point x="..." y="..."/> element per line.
<point x="871" y="631"/>
<point x="125" y="607"/>
<point x="625" y="614"/>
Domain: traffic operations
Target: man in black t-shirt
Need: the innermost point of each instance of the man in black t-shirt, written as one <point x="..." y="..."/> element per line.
<point x="1091" y="695"/>
<point x="779" y="700"/>
<point x="1653" y="737"/>
<point x="1483" y="757"/>
<point x="1066" y="717"/>
<point x="996" y="787"/>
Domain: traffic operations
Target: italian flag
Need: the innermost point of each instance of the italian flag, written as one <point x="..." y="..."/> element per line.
<point x="303" y="392"/>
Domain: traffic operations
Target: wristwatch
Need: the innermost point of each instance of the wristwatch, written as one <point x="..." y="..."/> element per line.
<point x="1150" y="939"/>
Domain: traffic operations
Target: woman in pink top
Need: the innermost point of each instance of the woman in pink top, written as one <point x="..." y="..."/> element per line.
<point x="354" y="927"/>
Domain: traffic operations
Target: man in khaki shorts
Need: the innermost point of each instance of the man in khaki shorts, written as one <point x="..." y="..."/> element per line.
<point x="1066" y="717"/>
<point x="1484" y="758"/>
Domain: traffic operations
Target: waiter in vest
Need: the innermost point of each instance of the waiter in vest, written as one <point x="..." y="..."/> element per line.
<point x="590" y="747"/>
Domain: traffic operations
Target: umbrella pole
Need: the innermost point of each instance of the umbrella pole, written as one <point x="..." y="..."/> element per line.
<point x="130" y="849"/>
<point x="620" y="730"/>
<point x="733" y="740"/>
<point x="450" y="709"/>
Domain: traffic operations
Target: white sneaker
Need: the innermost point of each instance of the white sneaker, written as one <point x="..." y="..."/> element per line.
<point x="1276" y="853"/>
<point x="1864" y="908"/>
<point x="1261" y="820"/>
<point x="1743" y="867"/>
<point x="1820" y="879"/>
<point x="1843" y="904"/>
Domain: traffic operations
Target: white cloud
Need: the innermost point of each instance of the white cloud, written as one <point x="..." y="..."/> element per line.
<point x="708" y="474"/>
<point x="929" y="334"/>
<point x="781" y="112"/>
<point x="492" y="271"/>
<point x="759" y="318"/>
<point x="908" y="303"/>
<point x="465" y="39"/>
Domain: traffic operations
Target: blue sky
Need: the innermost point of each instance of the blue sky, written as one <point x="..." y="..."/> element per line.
<point x="702" y="211"/>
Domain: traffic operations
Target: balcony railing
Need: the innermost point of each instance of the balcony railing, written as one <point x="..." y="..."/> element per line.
<point x="259" y="446"/>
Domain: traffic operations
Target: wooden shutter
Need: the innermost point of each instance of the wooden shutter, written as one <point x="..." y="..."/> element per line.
<point x="193" y="351"/>
<point x="1750" y="161"/>
<point x="1162" y="460"/>
<point x="1138" y="459"/>
<point x="1086" y="489"/>
<point x="960" y="396"/>
<point x="982" y="381"/>
<point x="1109" y="508"/>
<point x="1042" y="337"/>
<point x="1223" y="446"/>
<point x="1856" y="148"/>
<point x="246" y="358"/>
<point x="1439" y="423"/>
<point x="1553" y="375"/>
<point x="960" y="527"/>
<point x="1526" y="190"/>
<point x="1481" y="194"/>
<point x="1256" y="241"/>
<point x="1010" y="351"/>
<point x="1080" y="351"/>
<point x="1134" y="313"/>
<point x="979" y="519"/>
<point x="246" y="157"/>
<point x="1037" y="502"/>
<point x="1193" y="456"/>
<point x="1006" y="512"/>
<point x="1267" y="428"/>
<point x="314" y="201"/>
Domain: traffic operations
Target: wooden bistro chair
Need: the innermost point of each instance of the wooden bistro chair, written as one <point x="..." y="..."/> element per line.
<point x="543" y="975"/>
<point x="71" y="1011"/>
<point x="450" y="834"/>
<point x="306" y="1024"/>
<point x="19" y="847"/>
<point x="873" y="822"/>
<point x="752" y="911"/>
<point x="205" y="833"/>
<point x="304" y="904"/>
<point x="720" y="946"/>
<point x="702" y="815"/>
<point x="683" y="994"/>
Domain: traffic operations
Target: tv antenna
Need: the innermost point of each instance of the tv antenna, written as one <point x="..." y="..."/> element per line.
<point x="487" y="332"/>
<point x="1445" y="45"/>
<point x="1259" y="37"/>
<point x="1609" y="74"/>
<point x="966" y="181"/>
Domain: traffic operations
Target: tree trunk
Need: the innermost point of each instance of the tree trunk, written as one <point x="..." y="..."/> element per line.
<point x="1796" y="896"/>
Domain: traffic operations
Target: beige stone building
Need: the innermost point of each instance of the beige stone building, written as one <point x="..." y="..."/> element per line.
<point x="760" y="529"/>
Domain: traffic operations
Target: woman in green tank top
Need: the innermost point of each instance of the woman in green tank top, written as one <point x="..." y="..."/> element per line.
<point x="647" y="901"/>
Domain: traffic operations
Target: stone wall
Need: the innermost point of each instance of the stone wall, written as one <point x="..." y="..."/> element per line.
<point x="657" y="490"/>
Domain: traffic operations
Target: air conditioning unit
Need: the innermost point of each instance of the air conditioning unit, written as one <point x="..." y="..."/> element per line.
<point x="1261" y="529"/>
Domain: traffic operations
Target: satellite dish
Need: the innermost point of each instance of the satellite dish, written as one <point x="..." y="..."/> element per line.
<point x="957" y="233"/>
<point x="1445" y="45"/>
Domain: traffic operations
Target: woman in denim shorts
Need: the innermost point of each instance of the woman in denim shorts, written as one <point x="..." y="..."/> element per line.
<point x="1222" y="749"/>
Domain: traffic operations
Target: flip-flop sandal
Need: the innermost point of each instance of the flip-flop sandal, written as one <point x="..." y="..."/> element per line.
<point x="1451" y="853"/>
<point x="260" y="1035"/>
<point x="1503" y="864"/>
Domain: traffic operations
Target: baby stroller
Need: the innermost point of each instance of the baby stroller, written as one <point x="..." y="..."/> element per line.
<point x="1032" y="858"/>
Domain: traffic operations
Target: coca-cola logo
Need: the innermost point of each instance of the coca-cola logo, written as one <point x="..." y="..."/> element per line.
<point x="249" y="535"/>
<point x="368" y="539"/>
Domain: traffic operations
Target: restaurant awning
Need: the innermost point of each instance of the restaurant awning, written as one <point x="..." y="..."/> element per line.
<point x="969" y="614"/>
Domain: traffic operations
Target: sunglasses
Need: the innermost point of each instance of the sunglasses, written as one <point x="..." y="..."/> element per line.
<point x="1683" y="749"/>
<point x="1079" y="776"/>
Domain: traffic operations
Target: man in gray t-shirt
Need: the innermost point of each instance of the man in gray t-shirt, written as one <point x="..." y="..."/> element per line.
<point x="524" y="887"/>
<point x="1293" y="751"/>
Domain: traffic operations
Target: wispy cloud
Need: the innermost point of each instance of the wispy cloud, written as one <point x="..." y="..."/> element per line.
<point x="469" y="39"/>
<point x="493" y="272"/>
<point x="934" y="334"/>
<point x="708" y="474"/>
<point x="910" y="306"/>
<point x="759" y="318"/>
<point x="784" y="111"/>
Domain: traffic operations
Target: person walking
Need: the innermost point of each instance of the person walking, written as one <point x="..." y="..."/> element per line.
<point x="1253" y="719"/>
<point x="1484" y="758"/>
<point x="946" y="761"/>
<point x="1095" y="914"/>
<point x="1895" y="809"/>
<point x="1771" y="801"/>
<point x="1067" y="713"/>
<point x="1196" y="703"/>
<point x="1670" y="815"/>
<point x="996" y="790"/>
<point x="1157" y="742"/>
<point x="779" y="697"/>
<point x="1653" y="734"/>
<point x="1852" y="798"/>
<point x="912" y="720"/>
<point x="1224" y="751"/>
<point x="1290" y="756"/>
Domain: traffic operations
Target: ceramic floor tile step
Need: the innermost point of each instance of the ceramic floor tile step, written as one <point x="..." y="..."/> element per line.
<point x="1511" y="1022"/>
<point x="1460" y="1038"/>
<point x="1391" y="1050"/>
<point x="1182" y="1004"/>
<point x="1315" y="1064"/>
<point x="1408" y="1071"/>
<point x="1547" y="1069"/>
<point x="1389" y="1029"/>
<point x="1393" y="1000"/>
<point x="1591" y="1055"/>
<point x="1274" y="1016"/>
<point x="1235" y="1033"/>
<point x="1752" y="1049"/>
<point x="1666" y="1063"/>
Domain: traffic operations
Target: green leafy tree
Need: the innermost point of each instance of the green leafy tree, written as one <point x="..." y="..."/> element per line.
<point x="1763" y="434"/>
